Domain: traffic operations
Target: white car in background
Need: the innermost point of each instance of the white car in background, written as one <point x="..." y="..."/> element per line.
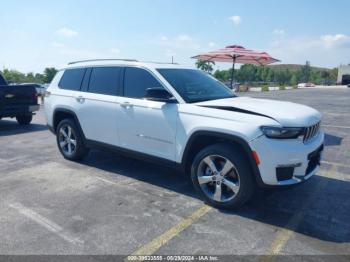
<point x="305" y="85"/>
<point x="182" y="117"/>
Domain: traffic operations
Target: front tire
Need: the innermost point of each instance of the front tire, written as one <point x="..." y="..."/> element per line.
<point x="222" y="176"/>
<point x="70" y="141"/>
<point x="24" y="119"/>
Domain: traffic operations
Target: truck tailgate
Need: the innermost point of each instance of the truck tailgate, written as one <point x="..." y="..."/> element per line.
<point x="17" y="95"/>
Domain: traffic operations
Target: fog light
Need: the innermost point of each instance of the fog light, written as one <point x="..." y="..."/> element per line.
<point x="284" y="173"/>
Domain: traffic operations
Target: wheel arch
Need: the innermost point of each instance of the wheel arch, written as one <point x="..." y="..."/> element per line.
<point x="201" y="139"/>
<point x="63" y="113"/>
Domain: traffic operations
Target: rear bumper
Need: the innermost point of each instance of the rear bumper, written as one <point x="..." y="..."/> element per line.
<point x="12" y="111"/>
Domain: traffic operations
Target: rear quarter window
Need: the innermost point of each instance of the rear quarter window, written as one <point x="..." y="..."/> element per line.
<point x="72" y="79"/>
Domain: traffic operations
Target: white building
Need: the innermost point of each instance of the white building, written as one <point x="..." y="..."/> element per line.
<point x="344" y="75"/>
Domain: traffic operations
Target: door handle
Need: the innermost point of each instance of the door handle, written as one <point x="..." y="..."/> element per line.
<point x="126" y="105"/>
<point x="80" y="99"/>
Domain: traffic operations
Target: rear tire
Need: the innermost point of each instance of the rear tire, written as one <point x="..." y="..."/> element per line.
<point x="222" y="176"/>
<point x="70" y="141"/>
<point x="24" y="119"/>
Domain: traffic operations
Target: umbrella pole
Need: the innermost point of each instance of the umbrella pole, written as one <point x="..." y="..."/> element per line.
<point x="233" y="71"/>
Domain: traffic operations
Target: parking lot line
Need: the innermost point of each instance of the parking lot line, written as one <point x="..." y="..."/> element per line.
<point x="346" y="127"/>
<point x="155" y="244"/>
<point x="49" y="225"/>
<point x="287" y="232"/>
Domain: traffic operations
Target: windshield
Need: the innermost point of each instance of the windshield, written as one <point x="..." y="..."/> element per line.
<point x="195" y="85"/>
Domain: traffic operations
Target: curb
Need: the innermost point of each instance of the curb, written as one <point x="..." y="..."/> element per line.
<point x="270" y="88"/>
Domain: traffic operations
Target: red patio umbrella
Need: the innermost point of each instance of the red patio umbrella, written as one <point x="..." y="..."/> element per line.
<point x="237" y="54"/>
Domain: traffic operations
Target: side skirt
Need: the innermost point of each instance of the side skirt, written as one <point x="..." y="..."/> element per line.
<point x="134" y="154"/>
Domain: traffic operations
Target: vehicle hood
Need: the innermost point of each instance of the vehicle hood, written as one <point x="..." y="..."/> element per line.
<point x="286" y="113"/>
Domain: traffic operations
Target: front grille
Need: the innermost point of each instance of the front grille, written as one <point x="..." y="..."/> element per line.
<point x="311" y="131"/>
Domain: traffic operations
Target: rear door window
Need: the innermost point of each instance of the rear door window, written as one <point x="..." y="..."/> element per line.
<point x="72" y="79"/>
<point x="137" y="81"/>
<point x="105" y="80"/>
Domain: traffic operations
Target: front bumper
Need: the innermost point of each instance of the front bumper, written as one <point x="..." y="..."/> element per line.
<point x="274" y="153"/>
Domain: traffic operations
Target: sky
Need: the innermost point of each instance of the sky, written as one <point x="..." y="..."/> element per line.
<point x="37" y="34"/>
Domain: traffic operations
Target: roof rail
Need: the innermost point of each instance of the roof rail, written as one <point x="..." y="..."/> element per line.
<point x="96" y="60"/>
<point x="160" y="63"/>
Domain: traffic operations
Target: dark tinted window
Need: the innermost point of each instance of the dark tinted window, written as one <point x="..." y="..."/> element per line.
<point x="105" y="80"/>
<point x="72" y="78"/>
<point x="136" y="81"/>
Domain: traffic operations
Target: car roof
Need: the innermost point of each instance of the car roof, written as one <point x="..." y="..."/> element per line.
<point x="127" y="62"/>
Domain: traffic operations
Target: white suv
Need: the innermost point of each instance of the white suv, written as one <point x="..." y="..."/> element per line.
<point x="187" y="119"/>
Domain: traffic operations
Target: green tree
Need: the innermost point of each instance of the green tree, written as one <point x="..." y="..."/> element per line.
<point x="305" y="72"/>
<point x="265" y="73"/>
<point x="282" y="75"/>
<point x="259" y="73"/>
<point x="221" y="75"/>
<point x="294" y="80"/>
<point x="270" y="76"/>
<point x="206" y="66"/>
<point x="333" y="75"/>
<point x="316" y="77"/>
<point x="39" y="78"/>
<point x="49" y="74"/>
<point x="13" y="76"/>
<point x="247" y="73"/>
<point x="30" y="78"/>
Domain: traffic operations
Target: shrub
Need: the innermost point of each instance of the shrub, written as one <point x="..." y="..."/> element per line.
<point x="243" y="88"/>
<point x="265" y="88"/>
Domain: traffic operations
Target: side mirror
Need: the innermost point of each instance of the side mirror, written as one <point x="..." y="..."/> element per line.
<point x="159" y="94"/>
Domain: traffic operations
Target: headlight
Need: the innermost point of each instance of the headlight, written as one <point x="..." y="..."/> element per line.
<point x="282" y="132"/>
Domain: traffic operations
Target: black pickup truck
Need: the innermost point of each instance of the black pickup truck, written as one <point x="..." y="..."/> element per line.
<point x="19" y="101"/>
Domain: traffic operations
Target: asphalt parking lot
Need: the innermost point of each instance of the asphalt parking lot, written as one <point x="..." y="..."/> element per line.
<point x="109" y="204"/>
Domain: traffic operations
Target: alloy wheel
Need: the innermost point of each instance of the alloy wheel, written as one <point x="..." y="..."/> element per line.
<point x="67" y="140"/>
<point x="218" y="178"/>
